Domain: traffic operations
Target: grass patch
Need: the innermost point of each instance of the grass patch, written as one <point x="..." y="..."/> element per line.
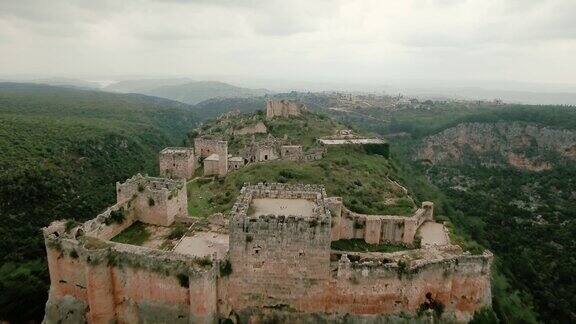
<point x="136" y="234"/>
<point x="340" y="171"/>
<point x="359" y="245"/>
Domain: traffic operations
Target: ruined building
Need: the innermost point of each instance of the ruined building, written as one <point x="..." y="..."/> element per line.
<point x="283" y="108"/>
<point x="274" y="263"/>
<point x="271" y="148"/>
<point x="257" y="128"/>
<point x="177" y="162"/>
<point x="215" y="155"/>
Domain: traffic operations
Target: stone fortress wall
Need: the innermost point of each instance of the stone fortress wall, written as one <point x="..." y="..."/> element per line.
<point x="285" y="261"/>
<point x="283" y="108"/>
<point x="177" y="162"/>
<point x="376" y="229"/>
<point x="155" y="200"/>
<point x="283" y="267"/>
<point x="279" y="263"/>
<point x="272" y="254"/>
<point x="95" y="280"/>
<point x="460" y="282"/>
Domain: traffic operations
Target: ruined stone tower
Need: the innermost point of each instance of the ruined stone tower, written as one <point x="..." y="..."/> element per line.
<point x="279" y="236"/>
<point x="215" y="155"/>
<point x="177" y="162"/>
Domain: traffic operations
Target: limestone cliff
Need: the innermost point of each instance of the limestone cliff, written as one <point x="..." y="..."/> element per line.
<point x="523" y="146"/>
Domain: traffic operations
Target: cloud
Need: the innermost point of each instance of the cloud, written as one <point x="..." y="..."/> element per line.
<point x="310" y="39"/>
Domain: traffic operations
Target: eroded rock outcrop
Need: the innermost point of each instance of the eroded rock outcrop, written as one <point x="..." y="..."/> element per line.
<point x="523" y="146"/>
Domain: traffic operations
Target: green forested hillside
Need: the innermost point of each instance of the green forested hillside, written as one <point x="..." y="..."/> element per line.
<point x="526" y="218"/>
<point x="62" y="152"/>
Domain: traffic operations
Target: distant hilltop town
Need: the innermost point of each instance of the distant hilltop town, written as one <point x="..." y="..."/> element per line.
<point x="270" y="258"/>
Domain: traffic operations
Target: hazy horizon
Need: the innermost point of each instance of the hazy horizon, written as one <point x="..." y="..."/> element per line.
<point x="355" y="42"/>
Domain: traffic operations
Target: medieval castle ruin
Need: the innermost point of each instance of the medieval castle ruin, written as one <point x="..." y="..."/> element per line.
<point x="181" y="162"/>
<point x="273" y="261"/>
<point x="270" y="260"/>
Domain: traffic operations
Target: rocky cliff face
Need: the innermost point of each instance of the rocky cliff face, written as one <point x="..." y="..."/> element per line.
<point x="523" y="146"/>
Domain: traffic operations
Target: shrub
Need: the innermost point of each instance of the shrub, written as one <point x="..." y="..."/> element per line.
<point x="54" y="244"/>
<point x="205" y="261"/>
<point x="151" y="201"/>
<point x="117" y="216"/>
<point x="225" y="268"/>
<point x="177" y="232"/>
<point x="484" y="316"/>
<point x="402" y="268"/>
<point x="74" y="254"/>
<point x="140" y="187"/>
<point x="183" y="279"/>
<point x="70" y="224"/>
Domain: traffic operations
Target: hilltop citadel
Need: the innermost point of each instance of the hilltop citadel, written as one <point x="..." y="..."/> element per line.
<point x="271" y="259"/>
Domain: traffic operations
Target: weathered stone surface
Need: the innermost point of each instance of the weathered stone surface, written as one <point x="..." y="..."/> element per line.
<point x="66" y="310"/>
<point x="499" y="143"/>
<point x="177" y="162"/>
<point x="258" y="128"/>
<point x="283" y="108"/>
<point x="205" y="147"/>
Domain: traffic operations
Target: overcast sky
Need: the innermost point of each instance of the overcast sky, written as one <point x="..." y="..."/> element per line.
<point x="308" y="40"/>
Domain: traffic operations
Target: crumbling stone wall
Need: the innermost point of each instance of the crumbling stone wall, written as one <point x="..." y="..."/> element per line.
<point x="177" y="162"/>
<point x="291" y="152"/>
<point x="103" y="282"/>
<point x="258" y="128"/>
<point x="283" y="108"/>
<point x="235" y="163"/>
<point x="155" y="200"/>
<point x="461" y="283"/>
<point x="376" y="229"/>
<point x="314" y="153"/>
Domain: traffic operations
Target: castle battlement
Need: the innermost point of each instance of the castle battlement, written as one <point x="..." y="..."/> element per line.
<point x="276" y="257"/>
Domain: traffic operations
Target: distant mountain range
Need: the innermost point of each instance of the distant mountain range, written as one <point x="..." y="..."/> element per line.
<point x="68" y="83"/>
<point x="184" y="90"/>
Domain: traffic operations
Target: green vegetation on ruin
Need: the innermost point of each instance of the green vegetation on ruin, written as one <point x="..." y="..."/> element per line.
<point x="301" y="130"/>
<point x="359" y="245"/>
<point x="135" y="234"/>
<point x="348" y="172"/>
<point x="534" y="255"/>
<point x="534" y="245"/>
